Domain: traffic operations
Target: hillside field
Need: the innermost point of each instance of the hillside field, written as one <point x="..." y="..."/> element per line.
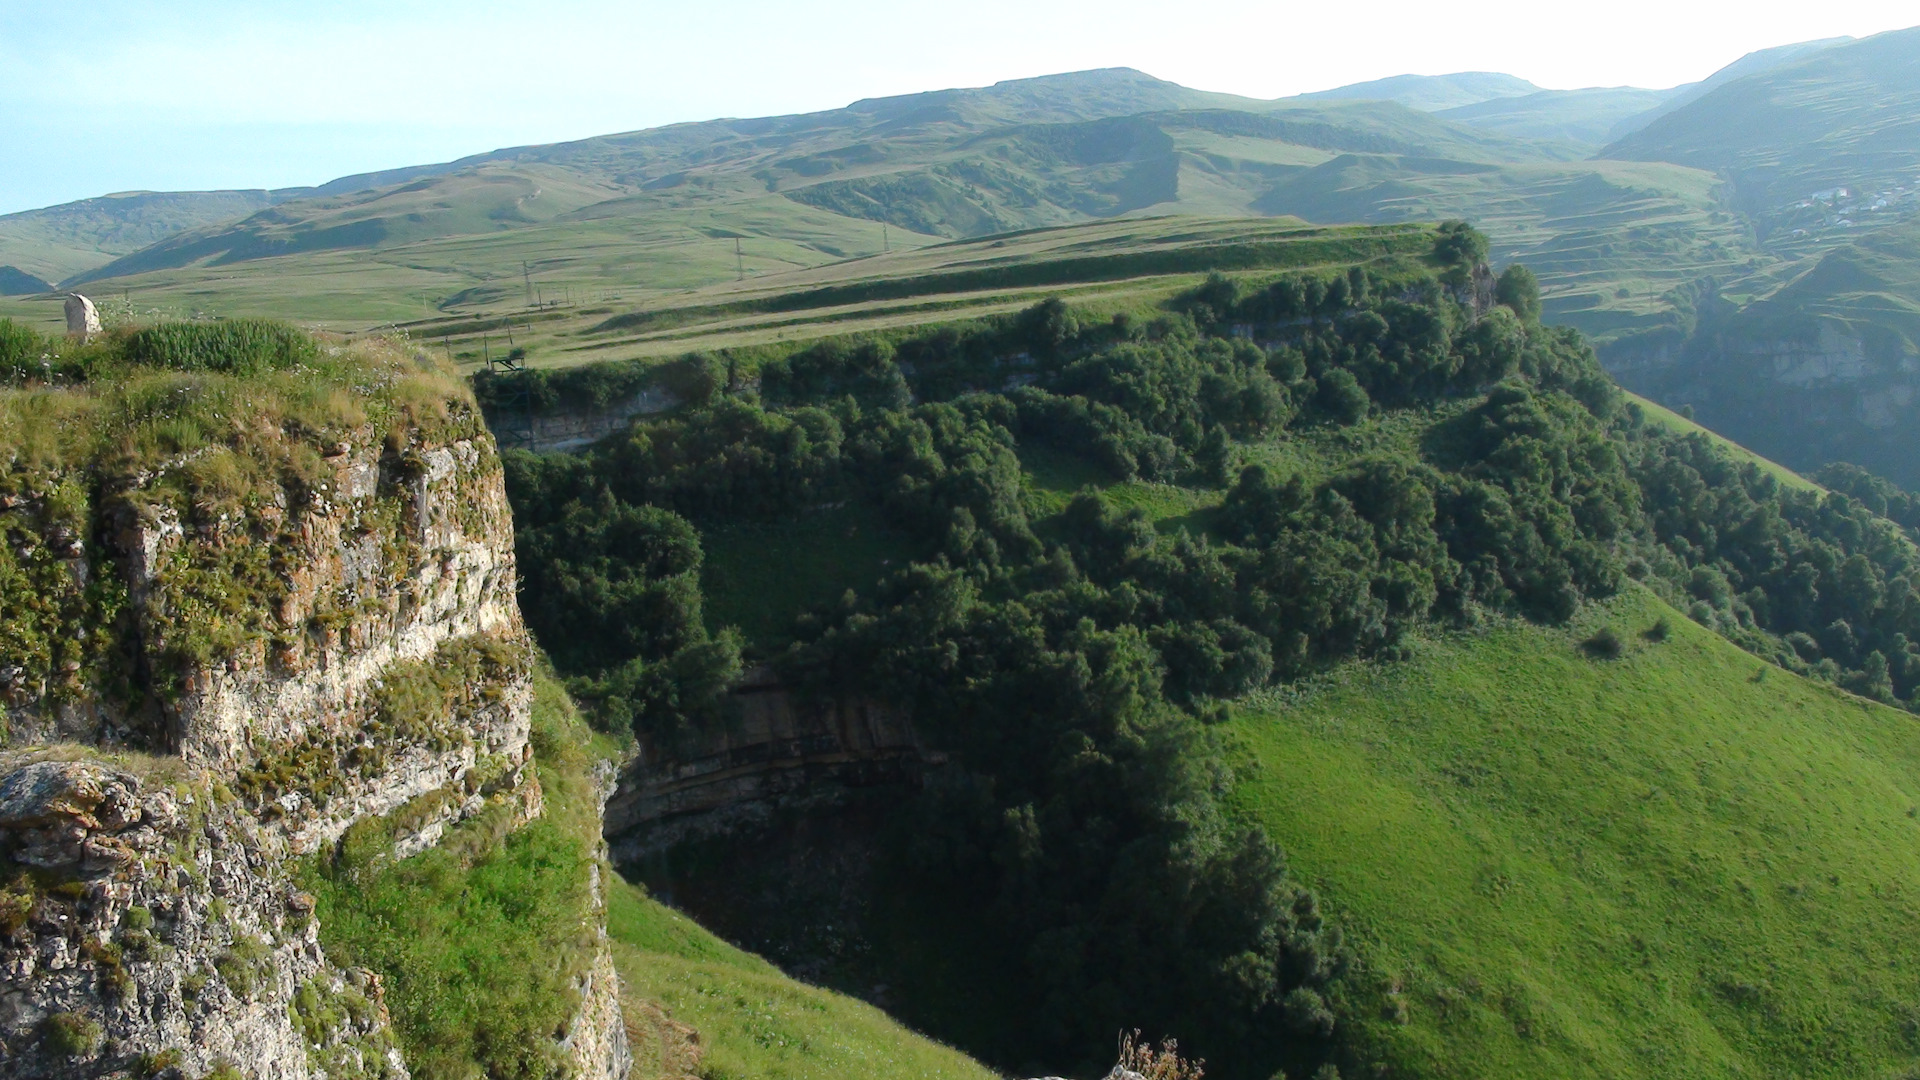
<point x="1680" y="863"/>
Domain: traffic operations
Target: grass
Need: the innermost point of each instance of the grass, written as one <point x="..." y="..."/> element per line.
<point x="755" y="1023"/>
<point x="479" y="939"/>
<point x="1680" y="863"/>
<point x="759" y="578"/>
<point x="1052" y="478"/>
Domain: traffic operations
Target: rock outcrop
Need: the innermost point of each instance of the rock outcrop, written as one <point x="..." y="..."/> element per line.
<point x="774" y="752"/>
<point x="1804" y="395"/>
<point x="209" y="682"/>
<point x="167" y="940"/>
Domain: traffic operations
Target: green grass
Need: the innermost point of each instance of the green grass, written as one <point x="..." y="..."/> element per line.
<point x="1684" y="863"/>
<point x="1052" y="478"/>
<point x="754" y="1022"/>
<point x="759" y="578"/>
<point x="479" y="939"/>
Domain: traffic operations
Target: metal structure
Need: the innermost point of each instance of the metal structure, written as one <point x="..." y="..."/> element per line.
<point x="511" y="370"/>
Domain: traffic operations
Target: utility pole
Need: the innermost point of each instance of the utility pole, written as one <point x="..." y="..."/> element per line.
<point x="739" y="260"/>
<point x="527" y="276"/>
<point x="513" y="366"/>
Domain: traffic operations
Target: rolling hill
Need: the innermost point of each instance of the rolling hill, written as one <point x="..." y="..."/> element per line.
<point x="61" y="241"/>
<point x="1581" y="117"/>
<point x="645" y="213"/>
<point x="1701" y="206"/>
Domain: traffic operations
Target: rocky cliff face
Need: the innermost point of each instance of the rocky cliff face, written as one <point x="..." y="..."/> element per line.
<point x="1803" y="395"/>
<point x="773" y="754"/>
<point x="213" y="677"/>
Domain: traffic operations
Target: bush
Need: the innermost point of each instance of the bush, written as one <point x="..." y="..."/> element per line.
<point x="71" y="1034"/>
<point x="1605" y="645"/>
<point x="1659" y="631"/>
<point x="20" y="347"/>
<point x="233" y="346"/>
<point x="1519" y="291"/>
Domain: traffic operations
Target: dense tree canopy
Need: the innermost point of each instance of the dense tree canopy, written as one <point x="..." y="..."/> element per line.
<point x="1072" y="665"/>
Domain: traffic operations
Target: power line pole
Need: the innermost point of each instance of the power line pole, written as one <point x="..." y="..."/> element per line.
<point x="527" y="276"/>
<point x="739" y="260"/>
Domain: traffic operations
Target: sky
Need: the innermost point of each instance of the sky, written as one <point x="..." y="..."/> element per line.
<point x="116" y="95"/>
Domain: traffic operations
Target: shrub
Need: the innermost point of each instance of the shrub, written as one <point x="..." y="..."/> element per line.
<point x="1659" y="631"/>
<point x="233" y="346"/>
<point x="1307" y="1012"/>
<point x="71" y="1035"/>
<point x="1519" y="290"/>
<point x="19" y="345"/>
<point x="1605" y="645"/>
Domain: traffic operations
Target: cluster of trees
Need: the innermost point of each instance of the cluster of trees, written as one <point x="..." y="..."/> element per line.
<point x="1074" y="677"/>
<point x="1072" y="669"/>
<point x="1822" y="582"/>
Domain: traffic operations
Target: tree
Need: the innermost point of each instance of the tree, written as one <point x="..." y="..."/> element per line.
<point x="1519" y="290"/>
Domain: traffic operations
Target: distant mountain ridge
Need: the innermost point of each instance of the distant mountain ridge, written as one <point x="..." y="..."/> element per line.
<point x="1431" y="93"/>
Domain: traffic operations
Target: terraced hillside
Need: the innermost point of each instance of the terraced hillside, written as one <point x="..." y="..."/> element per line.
<point x="641" y="215"/>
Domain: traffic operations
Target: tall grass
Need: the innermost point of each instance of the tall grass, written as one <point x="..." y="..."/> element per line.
<point x="232" y="346"/>
<point x="480" y="940"/>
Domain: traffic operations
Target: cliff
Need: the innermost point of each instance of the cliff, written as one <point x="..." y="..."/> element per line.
<point x="242" y="614"/>
<point x="1804" y="392"/>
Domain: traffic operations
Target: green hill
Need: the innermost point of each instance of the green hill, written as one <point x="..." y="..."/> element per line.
<point x="58" y="242"/>
<point x="647" y="213"/>
<point x="1552" y="805"/>
<point x="1672" y="864"/>
<point x="1752" y="63"/>
<point x="1582" y="117"/>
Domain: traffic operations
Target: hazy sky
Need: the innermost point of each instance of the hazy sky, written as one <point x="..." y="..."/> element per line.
<point x="116" y="95"/>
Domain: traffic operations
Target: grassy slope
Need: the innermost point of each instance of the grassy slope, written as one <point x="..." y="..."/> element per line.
<point x="648" y="213"/>
<point x="1659" y="414"/>
<point x="56" y="242"/>
<point x="1683" y="863"/>
<point x="1104" y="267"/>
<point x="754" y="1022"/>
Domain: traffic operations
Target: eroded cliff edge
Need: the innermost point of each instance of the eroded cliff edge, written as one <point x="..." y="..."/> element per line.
<point x="242" y="613"/>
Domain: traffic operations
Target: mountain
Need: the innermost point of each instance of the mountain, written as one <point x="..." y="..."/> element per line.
<point x="650" y="211"/>
<point x="1839" y="118"/>
<point x="16" y="282"/>
<point x="1583" y="117"/>
<point x="1431" y="93"/>
<point x="57" y="242"/>
<point x="1752" y="63"/>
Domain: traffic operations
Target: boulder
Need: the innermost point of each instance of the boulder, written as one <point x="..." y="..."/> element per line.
<point x="83" y="322"/>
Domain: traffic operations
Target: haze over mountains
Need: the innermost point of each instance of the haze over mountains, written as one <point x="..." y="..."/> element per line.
<point x="64" y="242"/>
<point x="1654" y="218"/>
